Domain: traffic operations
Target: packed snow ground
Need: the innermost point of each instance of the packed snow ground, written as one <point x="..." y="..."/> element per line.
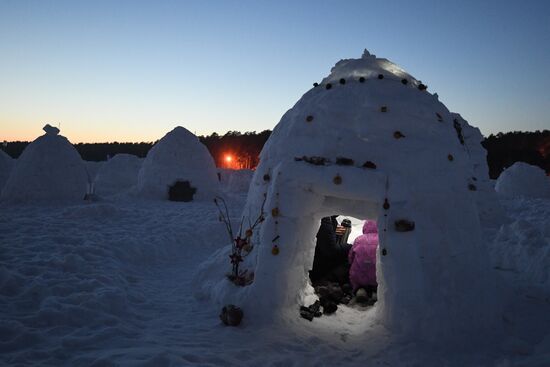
<point x="111" y="283"/>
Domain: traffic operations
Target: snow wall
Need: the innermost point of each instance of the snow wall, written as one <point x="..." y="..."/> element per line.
<point x="49" y="170"/>
<point x="178" y="156"/>
<point x="400" y="145"/>
<point x="522" y="179"/>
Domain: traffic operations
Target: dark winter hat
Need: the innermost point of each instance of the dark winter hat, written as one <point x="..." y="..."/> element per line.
<point x="346" y="223"/>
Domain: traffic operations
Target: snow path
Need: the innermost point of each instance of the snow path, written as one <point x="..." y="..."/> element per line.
<point x="111" y="283"/>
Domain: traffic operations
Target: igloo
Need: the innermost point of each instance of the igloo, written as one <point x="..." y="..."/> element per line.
<point x="178" y="156"/>
<point x="6" y="165"/>
<point x="117" y="174"/>
<point x="369" y="141"/>
<point x="49" y="169"/>
<point x="522" y="179"/>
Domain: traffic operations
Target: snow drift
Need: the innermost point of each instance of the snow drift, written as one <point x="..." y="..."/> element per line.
<point x="522" y="179"/>
<point x="368" y="142"/>
<point x="49" y="169"/>
<point x="178" y="156"/>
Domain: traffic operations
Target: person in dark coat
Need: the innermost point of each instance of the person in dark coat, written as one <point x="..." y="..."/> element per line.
<point x="331" y="259"/>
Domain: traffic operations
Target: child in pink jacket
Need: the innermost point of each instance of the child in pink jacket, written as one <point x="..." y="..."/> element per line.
<point x="362" y="258"/>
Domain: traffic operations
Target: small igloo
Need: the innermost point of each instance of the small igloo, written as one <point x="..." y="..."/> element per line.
<point x="368" y="141"/>
<point x="523" y="180"/>
<point x="118" y="174"/>
<point x="6" y="165"/>
<point x="178" y="157"/>
<point x="49" y="169"/>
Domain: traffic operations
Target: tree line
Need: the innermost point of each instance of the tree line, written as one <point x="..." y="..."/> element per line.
<point x="503" y="149"/>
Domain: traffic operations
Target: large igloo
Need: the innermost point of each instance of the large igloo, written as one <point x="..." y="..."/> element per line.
<point x="6" y="165"/>
<point x="118" y="174"/>
<point x="178" y="156"/>
<point x="49" y="170"/>
<point x="369" y="141"/>
<point x="523" y="180"/>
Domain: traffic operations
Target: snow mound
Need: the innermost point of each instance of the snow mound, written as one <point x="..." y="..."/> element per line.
<point x="522" y="179"/>
<point x="49" y="169"/>
<point x="523" y="246"/>
<point x="368" y="142"/>
<point x="178" y="156"/>
<point x="6" y="165"/>
<point x="117" y="174"/>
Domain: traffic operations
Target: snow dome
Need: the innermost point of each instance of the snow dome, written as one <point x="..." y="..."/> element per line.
<point x="49" y="169"/>
<point x="6" y="165"/>
<point x="117" y="174"/>
<point x="178" y="156"/>
<point x="522" y="179"/>
<point x="369" y="141"/>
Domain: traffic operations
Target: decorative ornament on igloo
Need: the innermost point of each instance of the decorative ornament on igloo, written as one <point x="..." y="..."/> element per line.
<point x="177" y="158"/>
<point x="368" y="141"/>
<point x="49" y="169"/>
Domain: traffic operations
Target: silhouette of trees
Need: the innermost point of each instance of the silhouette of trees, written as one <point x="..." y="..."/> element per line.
<point x="504" y="149"/>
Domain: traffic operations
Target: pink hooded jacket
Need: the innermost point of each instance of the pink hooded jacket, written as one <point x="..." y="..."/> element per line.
<point x="362" y="257"/>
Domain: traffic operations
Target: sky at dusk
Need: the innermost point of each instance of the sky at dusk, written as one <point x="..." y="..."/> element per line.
<point x="132" y="70"/>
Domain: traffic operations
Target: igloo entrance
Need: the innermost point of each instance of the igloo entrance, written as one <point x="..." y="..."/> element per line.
<point x="294" y="209"/>
<point x="343" y="273"/>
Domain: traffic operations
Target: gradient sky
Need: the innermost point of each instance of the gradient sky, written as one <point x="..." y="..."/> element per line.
<point x="132" y="70"/>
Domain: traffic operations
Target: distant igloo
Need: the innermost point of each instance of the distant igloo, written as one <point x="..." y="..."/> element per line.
<point x="49" y="169"/>
<point x="118" y="174"/>
<point x="369" y="141"/>
<point x="6" y="165"/>
<point x="178" y="157"/>
<point x="522" y="179"/>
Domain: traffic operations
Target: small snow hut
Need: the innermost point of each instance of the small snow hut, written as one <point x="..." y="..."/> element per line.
<point x="369" y="141"/>
<point x="178" y="157"/>
<point x="49" y="169"/>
